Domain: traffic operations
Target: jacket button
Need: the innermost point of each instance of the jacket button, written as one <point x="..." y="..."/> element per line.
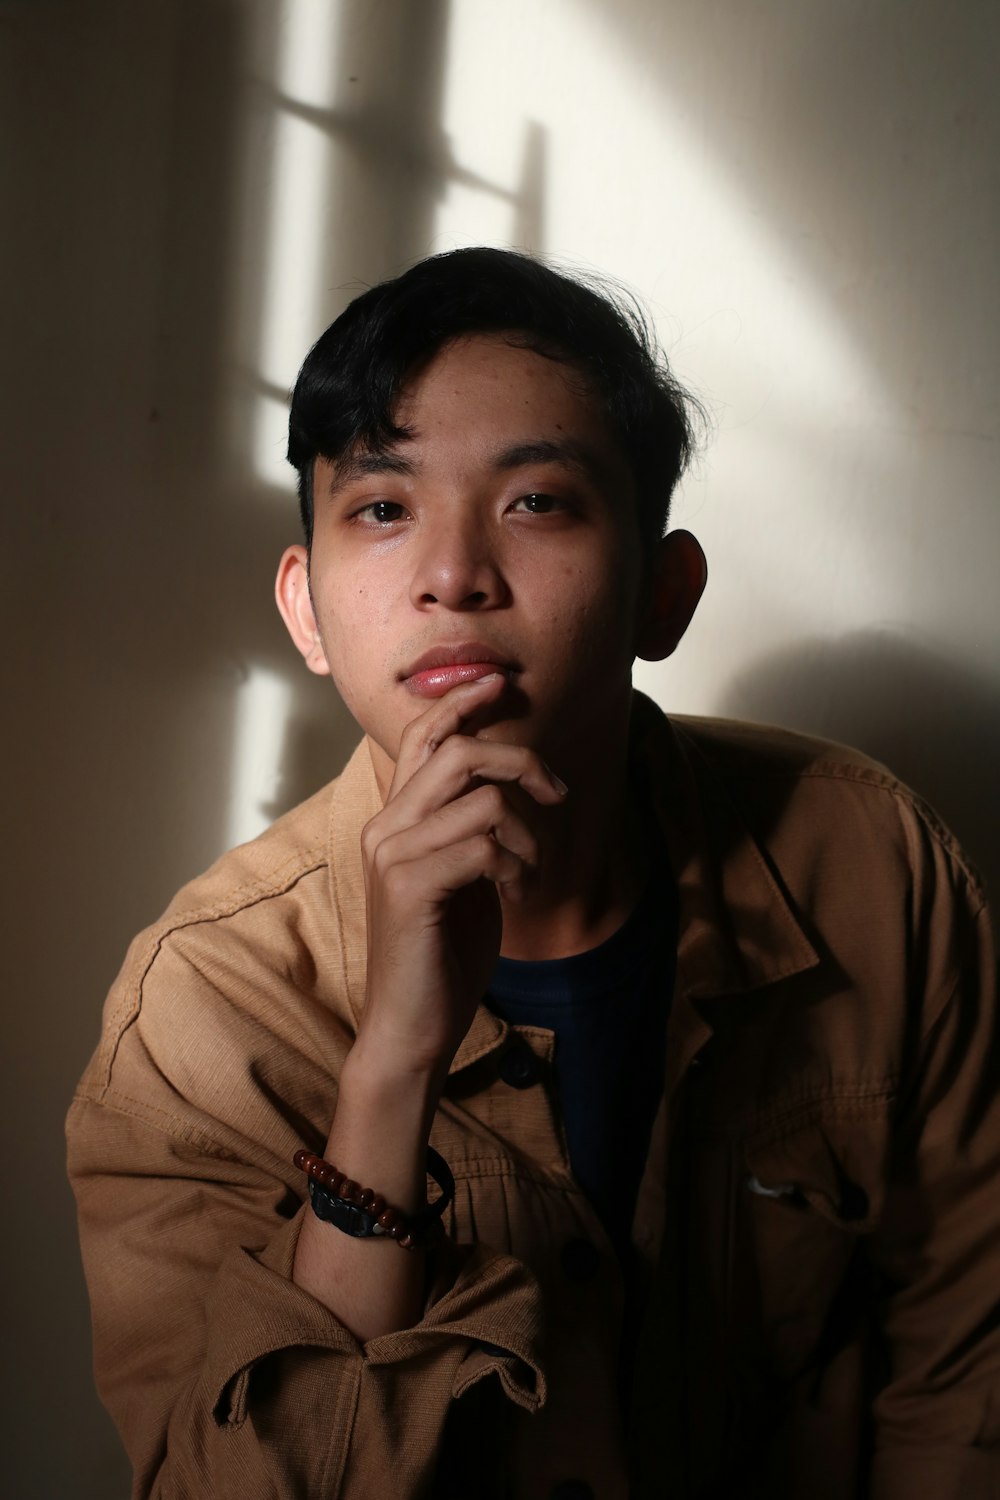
<point x="581" y="1260"/>
<point x="572" y="1489"/>
<point x="519" y="1066"/>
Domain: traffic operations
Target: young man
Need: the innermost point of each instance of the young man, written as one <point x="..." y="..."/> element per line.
<point x="695" y="1017"/>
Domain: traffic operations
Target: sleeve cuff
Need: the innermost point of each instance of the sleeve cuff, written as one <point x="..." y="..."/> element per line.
<point x="495" y="1303"/>
<point x="491" y="1301"/>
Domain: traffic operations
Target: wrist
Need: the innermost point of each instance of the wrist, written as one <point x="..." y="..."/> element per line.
<point x="382" y="1126"/>
<point x="393" y="1082"/>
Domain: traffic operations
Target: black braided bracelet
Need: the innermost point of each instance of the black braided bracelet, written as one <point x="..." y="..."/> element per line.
<point x="364" y="1214"/>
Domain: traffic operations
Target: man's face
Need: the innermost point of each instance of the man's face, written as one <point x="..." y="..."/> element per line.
<point x="502" y="531"/>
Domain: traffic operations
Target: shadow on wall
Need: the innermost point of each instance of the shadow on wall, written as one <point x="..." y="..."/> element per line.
<point x="137" y="185"/>
<point x="931" y="720"/>
<point x="389" y="167"/>
<point x="866" y="157"/>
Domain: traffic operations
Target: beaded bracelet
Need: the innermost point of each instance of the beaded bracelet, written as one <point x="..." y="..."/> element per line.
<point x="364" y="1214"/>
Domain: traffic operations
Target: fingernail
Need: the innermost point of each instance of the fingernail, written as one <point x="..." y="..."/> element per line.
<point x="558" y="783"/>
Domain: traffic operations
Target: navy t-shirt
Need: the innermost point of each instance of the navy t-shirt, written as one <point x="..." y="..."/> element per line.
<point x="608" y="1008"/>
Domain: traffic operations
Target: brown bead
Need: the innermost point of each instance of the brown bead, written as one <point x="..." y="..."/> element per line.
<point x="377" y="1205"/>
<point x="324" y="1174"/>
<point x="366" y="1198"/>
<point x="300" y="1159"/>
<point x="337" y="1181"/>
<point x="387" y="1218"/>
<point x="406" y="1241"/>
<point x="350" y="1190"/>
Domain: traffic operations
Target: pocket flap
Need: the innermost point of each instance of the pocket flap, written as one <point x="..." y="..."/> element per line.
<point x="833" y="1158"/>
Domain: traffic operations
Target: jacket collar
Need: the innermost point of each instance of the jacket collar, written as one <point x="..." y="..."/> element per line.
<point x="355" y="798"/>
<point x="736" y="929"/>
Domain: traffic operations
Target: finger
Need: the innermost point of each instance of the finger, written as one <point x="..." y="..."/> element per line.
<point x="485" y="810"/>
<point x="460" y="765"/>
<point x="443" y="805"/>
<point x="429" y="881"/>
<point x="423" y="735"/>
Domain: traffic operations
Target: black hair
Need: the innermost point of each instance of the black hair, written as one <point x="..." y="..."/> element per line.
<point x="347" y="390"/>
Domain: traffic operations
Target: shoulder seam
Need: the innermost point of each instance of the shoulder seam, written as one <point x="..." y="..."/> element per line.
<point x="280" y="880"/>
<point x="277" y="883"/>
<point x="948" y="845"/>
<point x="818" y="770"/>
<point x="879" y="781"/>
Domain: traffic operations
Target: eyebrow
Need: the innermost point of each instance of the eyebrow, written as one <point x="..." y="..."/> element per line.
<point x="566" y="451"/>
<point x="360" y="465"/>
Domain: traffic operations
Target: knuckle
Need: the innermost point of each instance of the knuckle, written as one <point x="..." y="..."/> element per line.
<point x="492" y="799"/>
<point x="455" y="748"/>
<point x="418" y="739"/>
<point x="485" y="848"/>
<point x="414" y="730"/>
<point x="370" y="840"/>
<point x="381" y="861"/>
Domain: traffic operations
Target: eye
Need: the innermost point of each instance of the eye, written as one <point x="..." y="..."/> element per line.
<point x="379" y="513"/>
<point x="537" y="504"/>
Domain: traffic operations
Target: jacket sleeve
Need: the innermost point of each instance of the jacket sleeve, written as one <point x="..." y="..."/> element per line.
<point x="937" y="1248"/>
<point x="225" y="1378"/>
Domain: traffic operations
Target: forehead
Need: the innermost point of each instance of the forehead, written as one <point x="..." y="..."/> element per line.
<point x="487" y="386"/>
<point x="483" y="406"/>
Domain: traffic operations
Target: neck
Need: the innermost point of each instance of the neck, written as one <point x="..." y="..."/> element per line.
<point x="594" y="863"/>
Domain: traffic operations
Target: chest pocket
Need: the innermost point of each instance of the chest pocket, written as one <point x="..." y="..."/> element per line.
<point x="774" y="1216"/>
<point x="804" y="1191"/>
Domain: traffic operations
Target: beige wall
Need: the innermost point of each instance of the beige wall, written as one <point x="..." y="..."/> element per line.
<point x="806" y="194"/>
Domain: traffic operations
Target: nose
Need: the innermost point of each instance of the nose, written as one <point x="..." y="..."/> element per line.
<point x="457" y="567"/>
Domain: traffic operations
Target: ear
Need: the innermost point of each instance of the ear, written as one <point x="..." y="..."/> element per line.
<point x="677" y="583"/>
<point x="291" y="591"/>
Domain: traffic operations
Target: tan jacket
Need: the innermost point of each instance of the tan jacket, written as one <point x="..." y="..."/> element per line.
<point x="818" y="1223"/>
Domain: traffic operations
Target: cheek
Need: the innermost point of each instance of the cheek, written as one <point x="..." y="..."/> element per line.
<point x="353" y="618"/>
<point x="350" y="637"/>
<point x="594" y="607"/>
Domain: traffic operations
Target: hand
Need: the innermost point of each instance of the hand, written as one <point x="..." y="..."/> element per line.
<point x="449" y="838"/>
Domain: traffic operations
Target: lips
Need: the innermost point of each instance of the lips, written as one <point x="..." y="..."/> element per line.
<point x="441" y="668"/>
